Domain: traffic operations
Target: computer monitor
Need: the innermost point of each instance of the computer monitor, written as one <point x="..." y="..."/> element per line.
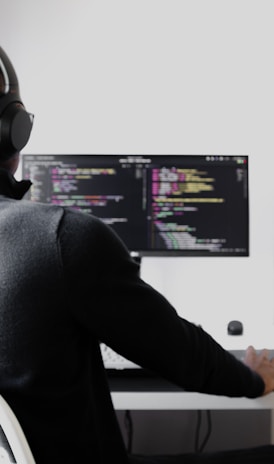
<point x="160" y="205"/>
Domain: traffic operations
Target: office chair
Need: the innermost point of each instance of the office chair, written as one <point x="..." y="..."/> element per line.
<point x="14" y="447"/>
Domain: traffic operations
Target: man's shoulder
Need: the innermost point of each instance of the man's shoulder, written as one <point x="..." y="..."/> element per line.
<point x="76" y="219"/>
<point x="68" y="221"/>
<point x="39" y="209"/>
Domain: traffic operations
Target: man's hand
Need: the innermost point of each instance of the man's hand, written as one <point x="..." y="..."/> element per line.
<point x="261" y="364"/>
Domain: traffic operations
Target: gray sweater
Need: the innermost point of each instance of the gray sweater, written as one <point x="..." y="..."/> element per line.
<point x="66" y="283"/>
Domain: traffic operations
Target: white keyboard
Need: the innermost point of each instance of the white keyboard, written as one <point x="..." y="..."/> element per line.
<point x="113" y="360"/>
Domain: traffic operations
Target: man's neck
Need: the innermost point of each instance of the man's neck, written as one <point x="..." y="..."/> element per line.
<point x="10" y="187"/>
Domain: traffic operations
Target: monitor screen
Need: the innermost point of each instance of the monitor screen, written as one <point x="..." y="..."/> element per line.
<point x="160" y="205"/>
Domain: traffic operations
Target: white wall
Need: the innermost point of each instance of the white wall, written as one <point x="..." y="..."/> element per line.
<point x="162" y="76"/>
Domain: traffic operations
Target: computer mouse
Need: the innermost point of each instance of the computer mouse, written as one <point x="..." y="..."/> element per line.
<point x="235" y="328"/>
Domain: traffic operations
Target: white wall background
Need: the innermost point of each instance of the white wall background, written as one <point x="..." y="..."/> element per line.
<point x="162" y="76"/>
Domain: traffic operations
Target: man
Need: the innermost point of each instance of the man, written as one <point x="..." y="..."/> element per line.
<point x="68" y="282"/>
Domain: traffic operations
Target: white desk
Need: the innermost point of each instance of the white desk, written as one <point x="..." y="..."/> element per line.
<point x="176" y="400"/>
<point x="185" y="400"/>
<point x="190" y="401"/>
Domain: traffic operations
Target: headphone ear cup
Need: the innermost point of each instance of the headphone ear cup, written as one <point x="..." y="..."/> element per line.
<point x="15" y="128"/>
<point x="15" y="121"/>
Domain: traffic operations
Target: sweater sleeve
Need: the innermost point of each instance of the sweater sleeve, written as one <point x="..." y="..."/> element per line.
<point x="110" y="300"/>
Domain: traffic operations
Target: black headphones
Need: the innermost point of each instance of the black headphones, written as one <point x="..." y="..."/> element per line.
<point x="15" y="121"/>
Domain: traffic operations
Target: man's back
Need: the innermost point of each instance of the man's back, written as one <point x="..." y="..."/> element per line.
<point x="50" y="367"/>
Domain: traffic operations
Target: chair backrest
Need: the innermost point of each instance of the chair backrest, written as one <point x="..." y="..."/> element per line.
<point x="14" y="447"/>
